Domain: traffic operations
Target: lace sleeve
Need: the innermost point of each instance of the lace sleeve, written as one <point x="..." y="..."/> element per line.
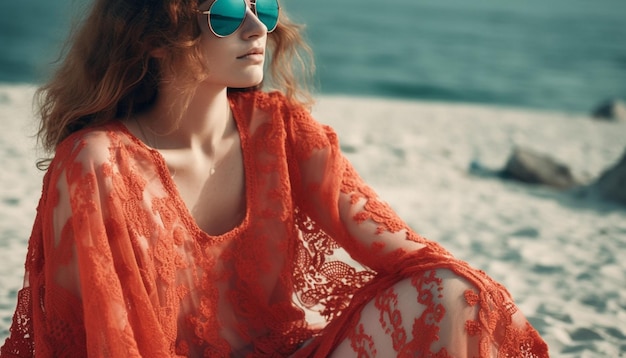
<point x="92" y="246"/>
<point x="88" y="298"/>
<point x="335" y="197"/>
<point x="451" y="308"/>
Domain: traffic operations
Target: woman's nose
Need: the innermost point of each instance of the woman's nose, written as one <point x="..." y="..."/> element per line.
<point x="252" y="26"/>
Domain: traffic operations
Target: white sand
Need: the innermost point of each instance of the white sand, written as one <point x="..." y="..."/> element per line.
<point x="559" y="254"/>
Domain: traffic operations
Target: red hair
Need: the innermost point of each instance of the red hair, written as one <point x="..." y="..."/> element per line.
<point x="109" y="71"/>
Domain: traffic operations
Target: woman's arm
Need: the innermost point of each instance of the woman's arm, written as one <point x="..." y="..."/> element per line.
<point x="88" y="297"/>
<point x="335" y="197"/>
<point x="449" y="306"/>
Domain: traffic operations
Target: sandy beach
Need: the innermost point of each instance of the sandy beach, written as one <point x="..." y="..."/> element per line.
<point x="558" y="252"/>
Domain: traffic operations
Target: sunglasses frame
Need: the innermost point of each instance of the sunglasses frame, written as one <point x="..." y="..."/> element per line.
<point x="252" y="8"/>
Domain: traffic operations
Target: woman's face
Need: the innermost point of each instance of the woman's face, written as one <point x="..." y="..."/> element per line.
<point x="236" y="60"/>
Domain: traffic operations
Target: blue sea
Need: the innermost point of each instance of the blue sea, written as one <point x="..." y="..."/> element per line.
<point x="566" y="55"/>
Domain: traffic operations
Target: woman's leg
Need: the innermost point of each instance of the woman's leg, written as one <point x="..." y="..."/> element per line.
<point x="429" y="314"/>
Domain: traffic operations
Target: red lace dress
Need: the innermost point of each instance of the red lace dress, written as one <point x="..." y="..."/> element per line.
<point x="319" y="266"/>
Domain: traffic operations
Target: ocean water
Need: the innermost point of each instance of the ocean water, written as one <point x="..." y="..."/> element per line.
<point x="566" y="55"/>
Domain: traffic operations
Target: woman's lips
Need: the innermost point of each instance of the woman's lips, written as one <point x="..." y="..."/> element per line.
<point x="255" y="54"/>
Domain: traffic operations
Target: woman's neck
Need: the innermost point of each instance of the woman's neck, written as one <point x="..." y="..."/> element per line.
<point x="195" y="119"/>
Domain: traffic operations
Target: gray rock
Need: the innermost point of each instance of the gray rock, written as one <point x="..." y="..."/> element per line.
<point x="585" y="334"/>
<point x="612" y="183"/>
<point x="614" y="110"/>
<point x="530" y="167"/>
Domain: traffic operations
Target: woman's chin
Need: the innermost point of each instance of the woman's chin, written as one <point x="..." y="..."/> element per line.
<point x="253" y="82"/>
<point x="245" y="79"/>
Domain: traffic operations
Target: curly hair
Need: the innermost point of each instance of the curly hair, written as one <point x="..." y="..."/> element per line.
<point x="109" y="70"/>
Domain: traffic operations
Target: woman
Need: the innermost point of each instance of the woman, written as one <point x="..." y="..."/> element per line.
<point x="182" y="217"/>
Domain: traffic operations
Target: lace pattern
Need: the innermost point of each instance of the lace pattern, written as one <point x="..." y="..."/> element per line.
<point x="117" y="267"/>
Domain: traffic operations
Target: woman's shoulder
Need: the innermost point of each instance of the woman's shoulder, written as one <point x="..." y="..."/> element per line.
<point x="93" y="144"/>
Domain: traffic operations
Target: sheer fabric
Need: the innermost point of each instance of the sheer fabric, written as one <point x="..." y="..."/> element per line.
<point x="319" y="266"/>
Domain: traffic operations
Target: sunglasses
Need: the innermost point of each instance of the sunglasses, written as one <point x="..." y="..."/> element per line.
<point x="226" y="16"/>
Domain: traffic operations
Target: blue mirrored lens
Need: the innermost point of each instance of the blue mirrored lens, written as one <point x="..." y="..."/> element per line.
<point x="225" y="16"/>
<point x="267" y="11"/>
